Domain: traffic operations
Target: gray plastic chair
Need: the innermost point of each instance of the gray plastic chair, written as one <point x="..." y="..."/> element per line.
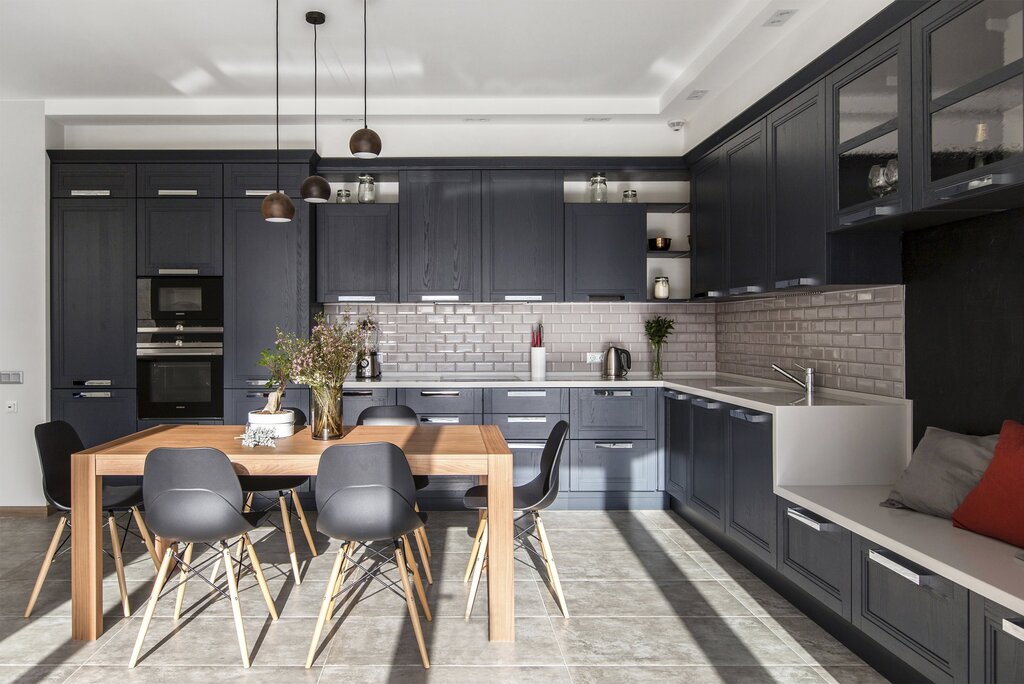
<point x="192" y="496"/>
<point x="365" y="493"/>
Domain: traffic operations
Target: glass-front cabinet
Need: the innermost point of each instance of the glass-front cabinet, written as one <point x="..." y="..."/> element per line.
<point x="970" y="63"/>
<point x="870" y="138"/>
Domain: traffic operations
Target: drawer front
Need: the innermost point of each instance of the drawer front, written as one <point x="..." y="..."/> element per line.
<point x="815" y="554"/>
<point x="918" y="615"/>
<point x="93" y="180"/>
<point x="751" y="503"/>
<point x="526" y="399"/>
<point x="259" y="180"/>
<point x="449" y="418"/>
<point x="524" y="425"/>
<point x="442" y="400"/>
<point x="354" y="401"/>
<point x="612" y="412"/>
<point x="997" y="643"/>
<point x="180" y="180"/>
<point x="526" y="462"/>
<point x="613" y="465"/>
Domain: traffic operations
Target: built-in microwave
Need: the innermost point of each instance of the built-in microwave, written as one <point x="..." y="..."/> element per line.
<point x="188" y="299"/>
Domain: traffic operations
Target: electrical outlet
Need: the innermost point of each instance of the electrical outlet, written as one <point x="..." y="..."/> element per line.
<point x="12" y="406"/>
<point x="594" y="357"/>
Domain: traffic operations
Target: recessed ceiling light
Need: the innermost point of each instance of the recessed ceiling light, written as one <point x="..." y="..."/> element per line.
<point x="596" y="119"/>
<point x="780" y="17"/>
<point x="697" y="94"/>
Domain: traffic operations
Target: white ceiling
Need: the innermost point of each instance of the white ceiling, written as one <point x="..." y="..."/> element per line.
<point x="180" y="61"/>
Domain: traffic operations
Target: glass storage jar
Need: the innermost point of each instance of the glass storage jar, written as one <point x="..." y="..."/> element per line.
<point x="661" y="287"/>
<point x="598" y="188"/>
<point x="367" y="190"/>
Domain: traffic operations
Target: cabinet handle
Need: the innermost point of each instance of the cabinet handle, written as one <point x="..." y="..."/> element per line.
<point x="750" y="416"/>
<point x="177" y="271"/>
<point x="258" y="193"/>
<point x="678" y="396"/>
<point x="613" y="393"/>
<point x="92" y="383"/>
<point x="439" y="393"/>
<point x="527" y="419"/>
<point x="257" y="395"/>
<point x="90" y="193"/>
<point x="357" y="298"/>
<point x="710" y="294"/>
<point x="440" y="419"/>
<point x="606" y="297"/>
<point x="524" y="298"/>
<point x="257" y="383"/>
<point x="893" y="566"/>
<point x="1014" y="628"/>
<point x="177" y="193"/>
<point x="439" y="298"/>
<point x="613" y="445"/>
<point x="92" y="395"/>
<point x="707" y="403"/>
<point x="526" y="445"/>
<point x="805" y="518"/>
<point x="991" y="180"/>
<point x="796" y="282"/>
<point x="527" y="393"/>
<point x="357" y="393"/>
<point x="746" y="289"/>
<point x="867" y="215"/>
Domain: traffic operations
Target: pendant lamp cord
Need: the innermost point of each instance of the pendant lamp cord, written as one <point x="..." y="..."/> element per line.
<point x="364" y="65"/>
<point x="277" y="89"/>
<point x="316" y="146"/>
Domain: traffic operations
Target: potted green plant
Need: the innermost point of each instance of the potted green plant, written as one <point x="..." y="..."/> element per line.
<point x="657" y="330"/>
<point x="279" y="363"/>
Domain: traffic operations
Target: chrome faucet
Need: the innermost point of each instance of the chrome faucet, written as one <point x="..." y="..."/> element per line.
<point x="807" y="383"/>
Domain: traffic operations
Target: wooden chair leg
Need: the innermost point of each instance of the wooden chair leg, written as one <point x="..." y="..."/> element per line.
<point x="161" y="575"/>
<point x="118" y="564"/>
<point x="347" y="550"/>
<point x="289" y="539"/>
<point x="236" y="607"/>
<point x="254" y="559"/>
<point x="411" y="605"/>
<point x="324" y="605"/>
<point x="476" y="547"/>
<point x="247" y="506"/>
<point x="549" y="557"/>
<point x="424" y="556"/>
<point x="417" y="583"/>
<point x="45" y="567"/>
<point x="423" y="532"/>
<point x="478" y="568"/>
<point x="146" y="537"/>
<point x="181" y="581"/>
<point x="302" y="521"/>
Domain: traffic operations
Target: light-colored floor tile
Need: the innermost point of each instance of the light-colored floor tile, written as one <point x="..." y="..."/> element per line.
<point x="761" y="599"/>
<point x="47" y="641"/>
<point x="412" y="674"/>
<point x="578" y="563"/>
<point x="23" y="674"/>
<point x="704" y="674"/>
<point x="811" y="642"/>
<point x="646" y="598"/>
<point x="721" y="565"/>
<point x="186" y="674"/>
<point x="850" y="674"/>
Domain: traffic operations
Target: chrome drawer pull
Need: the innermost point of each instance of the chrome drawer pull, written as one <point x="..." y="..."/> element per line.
<point x="97" y="383"/>
<point x="524" y="298"/>
<point x="257" y="383"/>
<point x="92" y="395"/>
<point x="746" y="289"/>
<point x="177" y="271"/>
<point x="804" y="518"/>
<point x="90" y="193"/>
<point x="258" y="193"/>
<point x="613" y="393"/>
<point x="613" y="445"/>
<point x="439" y="298"/>
<point x="177" y="193"/>
<point x="357" y="393"/>
<point x="707" y="403"/>
<point x="527" y="393"/>
<point x="526" y="445"/>
<point x="357" y="298"/>
<point x="257" y="395"/>
<point x="527" y="419"/>
<point x="890" y="564"/>
<point x="439" y="419"/>
<point x="439" y="393"/>
<point x="750" y="416"/>
<point x="678" y="396"/>
<point x="1014" y="628"/>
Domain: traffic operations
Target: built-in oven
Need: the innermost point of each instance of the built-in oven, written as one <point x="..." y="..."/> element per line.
<point x="180" y="299"/>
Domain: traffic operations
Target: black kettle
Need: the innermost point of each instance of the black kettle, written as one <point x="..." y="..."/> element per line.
<point x="617" y="362"/>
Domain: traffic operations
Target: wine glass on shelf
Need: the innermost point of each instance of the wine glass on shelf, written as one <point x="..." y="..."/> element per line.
<point x="891" y="175"/>
<point x="876" y="181"/>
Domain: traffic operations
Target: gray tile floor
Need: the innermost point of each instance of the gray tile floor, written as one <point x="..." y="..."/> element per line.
<point x="651" y="600"/>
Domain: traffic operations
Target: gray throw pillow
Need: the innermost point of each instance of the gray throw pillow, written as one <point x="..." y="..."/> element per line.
<point x="945" y="467"/>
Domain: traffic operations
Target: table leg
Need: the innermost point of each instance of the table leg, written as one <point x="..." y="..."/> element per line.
<point x="86" y="549"/>
<point x="500" y="561"/>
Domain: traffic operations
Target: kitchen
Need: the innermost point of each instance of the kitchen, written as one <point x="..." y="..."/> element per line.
<point x="841" y="216"/>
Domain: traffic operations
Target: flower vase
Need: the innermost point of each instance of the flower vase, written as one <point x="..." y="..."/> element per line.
<point x="656" y="362"/>
<point x="327" y="413"/>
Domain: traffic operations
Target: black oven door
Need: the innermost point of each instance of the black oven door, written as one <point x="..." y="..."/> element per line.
<point x="184" y="386"/>
<point x="189" y="299"/>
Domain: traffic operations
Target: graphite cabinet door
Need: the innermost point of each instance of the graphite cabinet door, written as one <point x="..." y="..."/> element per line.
<point x="266" y="286"/>
<point x="439" y="229"/>
<point x="997" y="642"/>
<point x="523" y="236"/>
<point x="751" y="504"/>
<point x="357" y="253"/>
<point x="708" y="227"/>
<point x="98" y="415"/>
<point x="746" y="164"/>
<point x="706" y="492"/>
<point x="606" y="252"/>
<point x="182" y="236"/>
<point x="677" y="442"/>
<point x="92" y="291"/>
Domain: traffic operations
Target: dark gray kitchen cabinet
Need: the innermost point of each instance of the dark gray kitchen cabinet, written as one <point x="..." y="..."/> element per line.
<point x="613" y="465"/>
<point x="523" y="236"/>
<point x="526" y="400"/>
<point x="98" y="415"/>
<point x="439" y="229"/>
<point x="814" y="553"/>
<point x="357" y="253"/>
<point x="705" y="493"/>
<point x="677" y="442"/>
<point x="238" y="403"/>
<point x="746" y="211"/>
<point x="612" y="413"/>
<point x="997" y="643"/>
<point x="750" y="498"/>
<point x="526" y="456"/>
<point x="354" y="400"/>
<point x="92" y="293"/>
<point x="180" y="180"/>
<point x="606" y="252"/>
<point x="92" y="180"/>
<point x="180" y="236"/>
<point x="709" y="196"/>
<point x="266" y="286"/>
<point x="916" y="614"/>
<point x="442" y="400"/>
<point x="259" y="180"/>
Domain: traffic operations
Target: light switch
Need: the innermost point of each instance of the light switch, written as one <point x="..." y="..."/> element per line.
<point x="12" y="377"/>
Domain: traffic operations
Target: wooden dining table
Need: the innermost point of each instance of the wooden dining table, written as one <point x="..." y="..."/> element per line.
<point x="478" y="450"/>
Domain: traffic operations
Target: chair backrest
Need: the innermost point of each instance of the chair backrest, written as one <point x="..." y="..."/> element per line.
<point x="550" y="462"/>
<point x="55" y="442"/>
<point x="190" y="494"/>
<point x="388" y="415"/>
<point x="300" y="415"/>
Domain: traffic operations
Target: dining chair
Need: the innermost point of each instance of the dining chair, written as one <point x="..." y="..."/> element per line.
<point x="256" y="486"/>
<point x="55" y="442"/>
<point x="364" y="494"/>
<point x="192" y="496"/>
<point x="529" y="500"/>
<point x="403" y="415"/>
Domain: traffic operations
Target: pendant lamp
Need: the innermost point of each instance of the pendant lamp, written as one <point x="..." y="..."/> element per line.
<point x="364" y="143"/>
<point x="315" y="189"/>
<point x="277" y="207"/>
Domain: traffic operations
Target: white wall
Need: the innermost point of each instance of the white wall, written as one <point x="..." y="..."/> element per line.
<point x="24" y="293"/>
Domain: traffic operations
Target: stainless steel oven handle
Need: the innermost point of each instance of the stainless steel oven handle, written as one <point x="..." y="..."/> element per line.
<point x="181" y="329"/>
<point x="178" y="351"/>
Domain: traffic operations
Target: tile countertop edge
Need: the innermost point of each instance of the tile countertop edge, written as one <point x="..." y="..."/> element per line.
<point x="986" y="566"/>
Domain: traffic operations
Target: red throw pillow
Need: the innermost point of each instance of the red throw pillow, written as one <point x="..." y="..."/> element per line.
<point x="995" y="508"/>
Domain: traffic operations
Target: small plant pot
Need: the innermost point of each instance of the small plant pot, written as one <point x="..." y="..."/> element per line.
<point x="283" y="421"/>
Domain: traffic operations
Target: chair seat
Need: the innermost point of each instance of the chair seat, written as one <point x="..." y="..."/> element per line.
<point x="524" y="498"/>
<point x="268" y="483"/>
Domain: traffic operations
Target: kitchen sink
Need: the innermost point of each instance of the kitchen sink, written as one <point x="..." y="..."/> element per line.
<point x="750" y="389"/>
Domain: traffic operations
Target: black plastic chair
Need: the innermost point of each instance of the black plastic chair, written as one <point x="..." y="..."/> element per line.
<point x="529" y="499"/>
<point x="255" y="485"/>
<point x="55" y="442"/>
<point x="403" y="415"/>
<point x="192" y="497"/>
<point x="365" y="493"/>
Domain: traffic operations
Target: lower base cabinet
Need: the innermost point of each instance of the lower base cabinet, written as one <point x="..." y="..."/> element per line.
<point x="606" y="465"/>
<point x="705" y="493"/>
<point x="815" y="554"/>
<point x="997" y="643"/>
<point x="750" y="498"/>
<point x="98" y="416"/>
<point x="356" y="400"/>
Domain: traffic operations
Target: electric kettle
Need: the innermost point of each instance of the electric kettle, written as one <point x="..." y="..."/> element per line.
<point x="617" y="362"/>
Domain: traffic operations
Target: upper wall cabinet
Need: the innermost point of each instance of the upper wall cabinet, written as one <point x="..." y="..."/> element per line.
<point x="357" y="253"/>
<point x="439" y="228"/>
<point x="606" y="252"/>
<point x="179" y="180"/>
<point x="709" y="195"/>
<point x="180" y="236"/>
<point x="870" y="147"/>
<point x="746" y="211"/>
<point x="970" y="95"/>
<point x="523" y="236"/>
<point x="92" y="180"/>
<point x="259" y="180"/>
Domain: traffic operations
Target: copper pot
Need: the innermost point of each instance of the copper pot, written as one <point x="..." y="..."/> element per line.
<point x="659" y="244"/>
